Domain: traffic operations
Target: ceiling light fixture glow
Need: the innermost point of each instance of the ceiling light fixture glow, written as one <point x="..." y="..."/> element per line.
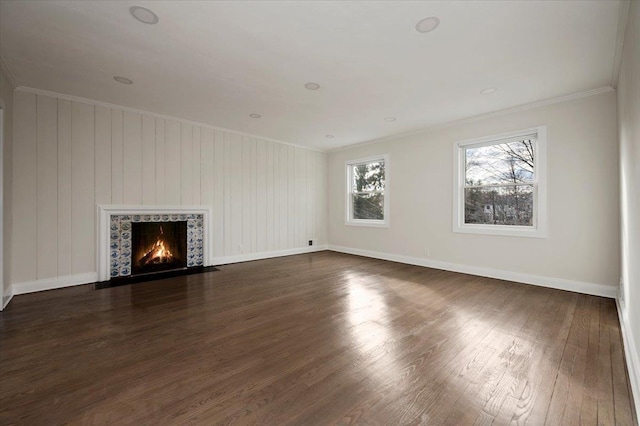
<point x="390" y="119"/>
<point x="255" y="115"/>
<point x="144" y="15"/>
<point x="312" y="86"/>
<point x="488" y="91"/>
<point x="122" y="80"/>
<point x="427" y="25"/>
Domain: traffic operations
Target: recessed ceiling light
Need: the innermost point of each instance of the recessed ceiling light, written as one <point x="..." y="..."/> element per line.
<point x="122" y="80"/>
<point x="312" y="86"/>
<point x="329" y="136"/>
<point x="390" y="119"/>
<point x="255" y="115"/>
<point x="144" y="15"/>
<point x="488" y="91"/>
<point x="428" y="24"/>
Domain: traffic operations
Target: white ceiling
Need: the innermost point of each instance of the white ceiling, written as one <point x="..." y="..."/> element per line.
<point x="218" y="62"/>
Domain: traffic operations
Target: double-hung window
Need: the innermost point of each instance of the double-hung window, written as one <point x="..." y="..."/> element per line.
<point x="367" y="192"/>
<point x="500" y="184"/>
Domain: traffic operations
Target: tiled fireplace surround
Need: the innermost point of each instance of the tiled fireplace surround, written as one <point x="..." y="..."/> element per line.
<point x="114" y="235"/>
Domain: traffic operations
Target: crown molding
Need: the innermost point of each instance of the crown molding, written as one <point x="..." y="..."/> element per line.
<point x="7" y="72"/>
<point x="498" y="113"/>
<point x="153" y="114"/>
<point x="623" y="18"/>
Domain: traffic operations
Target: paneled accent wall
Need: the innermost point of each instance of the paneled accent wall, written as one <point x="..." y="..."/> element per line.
<point x="71" y="156"/>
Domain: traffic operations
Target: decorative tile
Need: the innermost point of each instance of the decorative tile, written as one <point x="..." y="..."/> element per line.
<point x="120" y="243"/>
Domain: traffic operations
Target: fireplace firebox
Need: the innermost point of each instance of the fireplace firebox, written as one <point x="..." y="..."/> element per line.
<point x="158" y="246"/>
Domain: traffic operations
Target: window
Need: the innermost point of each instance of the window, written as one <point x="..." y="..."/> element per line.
<point x="500" y="185"/>
<point x="367" y="192"/>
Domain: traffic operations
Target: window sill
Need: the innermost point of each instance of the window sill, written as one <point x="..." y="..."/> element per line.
<point x="368" y="223"/>
<point x="504" y="231"/>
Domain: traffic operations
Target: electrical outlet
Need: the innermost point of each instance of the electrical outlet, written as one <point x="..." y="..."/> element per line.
<point x="427" y="252"/>
<point x="310" y="242"/>
<point x="240" y="248"/>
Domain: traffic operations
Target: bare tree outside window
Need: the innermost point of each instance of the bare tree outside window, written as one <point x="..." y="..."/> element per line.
<point x="367" y="191"/>
<point x="499" y="183"/>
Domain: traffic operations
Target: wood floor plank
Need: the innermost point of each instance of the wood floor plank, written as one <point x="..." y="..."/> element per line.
<point x="314" y="339"/>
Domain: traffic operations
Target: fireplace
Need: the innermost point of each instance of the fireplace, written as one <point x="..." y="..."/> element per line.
<point x="142" y="240"/>
<point x="158" y="246"/>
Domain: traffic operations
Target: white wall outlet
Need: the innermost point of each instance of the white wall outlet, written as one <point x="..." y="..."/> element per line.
<point x="240" y="248"/>
<point x="427" y="252"/>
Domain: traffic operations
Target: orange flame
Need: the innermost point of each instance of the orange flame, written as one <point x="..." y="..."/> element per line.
<point x="158" y="252"/>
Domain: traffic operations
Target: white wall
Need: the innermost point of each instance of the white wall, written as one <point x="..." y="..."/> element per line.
<point x="70" y="156"/>
<point x="583" y="219"/>
<point x="6" y="101"/>
<point x="629" y="136"/>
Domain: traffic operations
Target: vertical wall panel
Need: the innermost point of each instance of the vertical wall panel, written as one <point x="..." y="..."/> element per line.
<point x="270" y="194"/>
<point x="47" y="200"/>
<point x="301" y="211"/>
<point x="132" y="134"/>
<point x="64" y="188"/>
<point x="283" y="201"/>
<point x="235" y="175"/>
<point x="160" y="162"/>
<point x="148" y="160"/>
<point x="323" y="209"/>
<point x="218" y="193"/>
<point x="173" y="160"/>
<point x="186" y="164"/>
<point x="253" y="194"/>
<point x="24" y="194"/>
<point x="196" y="177"/>
<point x="226" y="202"/>
<point x="291" y="198"/>
<point x="311" y="194"/>
<point x="246" y="195"/>
<point x="103" y="155"/>
<point x="117" y="157"/>
<point x="260" y="194"/>
<point x="206" y="167"/>
<point x="82" y="188"/>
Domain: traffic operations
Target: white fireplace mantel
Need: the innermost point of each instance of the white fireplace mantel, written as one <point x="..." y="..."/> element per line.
<point x="106" y="211"/>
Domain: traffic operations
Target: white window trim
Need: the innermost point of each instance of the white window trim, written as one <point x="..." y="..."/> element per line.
<point x="368" y="222"/>
<point x="539" y="228"/>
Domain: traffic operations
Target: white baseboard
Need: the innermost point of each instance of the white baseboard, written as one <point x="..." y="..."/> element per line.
<point x="631" y="356"/>
<point x="266" y="255"/>
<point x="6" y="299"/>
<point x="558" y="283"/>
<point x="53" y="283"/>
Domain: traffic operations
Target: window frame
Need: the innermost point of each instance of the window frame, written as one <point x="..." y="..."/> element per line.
<point x="539" y="228"/>
<point x="374" y="223"/>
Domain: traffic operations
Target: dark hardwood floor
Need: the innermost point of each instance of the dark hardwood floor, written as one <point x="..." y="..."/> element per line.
<point x="323" y="338"/>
